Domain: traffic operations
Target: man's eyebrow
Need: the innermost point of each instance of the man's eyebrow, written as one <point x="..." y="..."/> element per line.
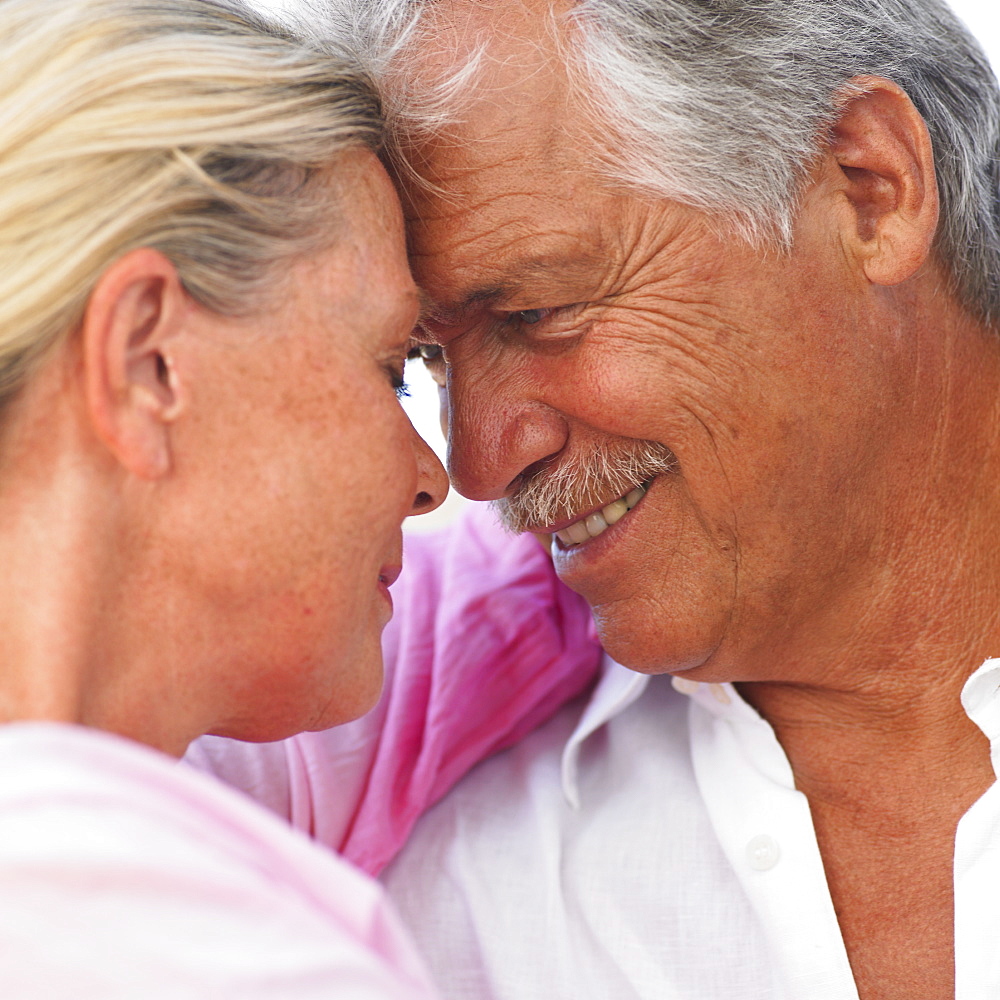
<point x="510" y="280"/>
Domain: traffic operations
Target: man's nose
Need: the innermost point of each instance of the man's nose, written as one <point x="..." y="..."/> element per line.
<point x="497" y="433"/>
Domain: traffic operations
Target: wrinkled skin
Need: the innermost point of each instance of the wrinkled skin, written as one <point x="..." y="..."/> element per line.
<point x="828" y="535"/>
<point x="784" y="384"/>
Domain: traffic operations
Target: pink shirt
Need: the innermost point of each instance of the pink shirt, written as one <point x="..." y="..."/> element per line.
<point x="124" y="875"/>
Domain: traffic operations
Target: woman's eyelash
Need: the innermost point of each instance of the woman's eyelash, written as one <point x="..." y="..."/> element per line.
<point x="399" y="384"/>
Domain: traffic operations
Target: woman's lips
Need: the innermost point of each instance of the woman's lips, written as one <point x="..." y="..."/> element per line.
<point x="387" y="576"/>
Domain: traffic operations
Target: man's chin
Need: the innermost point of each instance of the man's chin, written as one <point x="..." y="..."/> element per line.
<point x="642" y="640"/>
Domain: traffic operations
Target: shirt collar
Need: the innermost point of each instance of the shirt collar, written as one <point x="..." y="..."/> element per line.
<point x="619" y="687"/>
<point x="615" y="691"/>
<point x="981" y="701"/>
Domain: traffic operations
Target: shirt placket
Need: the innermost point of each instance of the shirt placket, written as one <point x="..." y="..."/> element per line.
<point x="765" y="829"/>
<point x="977" y="857"/>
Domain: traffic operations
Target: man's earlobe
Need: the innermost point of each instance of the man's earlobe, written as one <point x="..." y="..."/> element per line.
<point x="132" y="321"/>
<point x="883" y="151"/>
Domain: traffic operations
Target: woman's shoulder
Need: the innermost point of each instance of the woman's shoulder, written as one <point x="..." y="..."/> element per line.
<point x="146" y="808"/>
<point x="124" y="850"/>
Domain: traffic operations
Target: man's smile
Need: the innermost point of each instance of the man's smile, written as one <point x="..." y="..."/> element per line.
<point x="596" y="523"/>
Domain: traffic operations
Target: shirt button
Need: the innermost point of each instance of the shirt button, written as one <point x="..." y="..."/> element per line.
<point x="763" y="853"/>
<point x="720" y="694"/>
<point x="684" y="686"/>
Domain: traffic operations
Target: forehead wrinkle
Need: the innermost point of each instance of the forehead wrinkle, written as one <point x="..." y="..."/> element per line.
<point x="491" y="255"/>
<point x="469" y="185"/>
<point x="506" y="215"/>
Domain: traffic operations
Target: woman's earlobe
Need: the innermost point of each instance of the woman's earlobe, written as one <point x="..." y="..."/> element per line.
<point x="886" y="161"/>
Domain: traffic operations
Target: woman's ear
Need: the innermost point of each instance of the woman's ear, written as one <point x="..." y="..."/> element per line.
<point x="133" y="319"/>
<point x="886" y="167"/>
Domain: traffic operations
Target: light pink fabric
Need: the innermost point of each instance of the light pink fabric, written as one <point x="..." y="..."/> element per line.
<point x="485" y="644"/>
<point x="124" y="875"/>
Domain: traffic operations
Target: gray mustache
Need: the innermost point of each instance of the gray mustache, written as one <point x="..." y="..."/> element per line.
<point x="562" y="491"/>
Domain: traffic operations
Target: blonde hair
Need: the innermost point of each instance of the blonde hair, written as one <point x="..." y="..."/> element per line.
<point x="189" y="126"/>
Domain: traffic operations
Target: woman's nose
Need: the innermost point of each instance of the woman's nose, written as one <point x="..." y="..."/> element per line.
<point x="432" y="481"/>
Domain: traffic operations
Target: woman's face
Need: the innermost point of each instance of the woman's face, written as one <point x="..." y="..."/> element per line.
<point x="308" y="467"/>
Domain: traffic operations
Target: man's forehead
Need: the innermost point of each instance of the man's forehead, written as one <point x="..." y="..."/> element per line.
<point x="496" y="19"/>
<point x="474" y="238"/>
<point x="505" y="190"/>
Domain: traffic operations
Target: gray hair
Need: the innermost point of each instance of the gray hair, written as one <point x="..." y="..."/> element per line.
<point x="723" y="104"/>
<point x="189" y="126"/>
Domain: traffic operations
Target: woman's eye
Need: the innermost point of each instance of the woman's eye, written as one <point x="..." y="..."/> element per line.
<point x="398" y="382"/>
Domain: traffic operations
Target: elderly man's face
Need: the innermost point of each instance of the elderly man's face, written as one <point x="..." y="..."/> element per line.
<point x="579" y="322"/>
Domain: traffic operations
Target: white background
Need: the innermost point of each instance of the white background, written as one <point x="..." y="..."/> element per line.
<point x="982" y="17"/>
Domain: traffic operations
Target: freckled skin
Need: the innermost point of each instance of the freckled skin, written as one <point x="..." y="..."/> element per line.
<point x="197" y="511"/>
<point x="308" y="465"/>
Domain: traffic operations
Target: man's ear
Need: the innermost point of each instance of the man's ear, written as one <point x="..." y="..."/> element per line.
<point x="132" y="321"/>
<point x="886" y="162"/>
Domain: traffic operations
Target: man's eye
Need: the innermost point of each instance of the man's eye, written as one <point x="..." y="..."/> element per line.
<point x="426" y="352"/>
<point x="531" y="316"/>
<point x="432" y="356"/>
<point x="554" y="324"/>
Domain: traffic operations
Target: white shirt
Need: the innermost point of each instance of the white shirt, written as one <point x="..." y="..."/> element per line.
<point x="655" y="847"/>
<point x="125" y="876"/>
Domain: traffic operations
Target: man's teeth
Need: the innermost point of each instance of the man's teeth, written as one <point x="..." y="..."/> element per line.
<point x="592" y="526"/>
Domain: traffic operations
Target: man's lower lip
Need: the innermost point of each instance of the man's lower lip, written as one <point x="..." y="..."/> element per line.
<point x="587" y="566"/>
<point x="580" y="559"/>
